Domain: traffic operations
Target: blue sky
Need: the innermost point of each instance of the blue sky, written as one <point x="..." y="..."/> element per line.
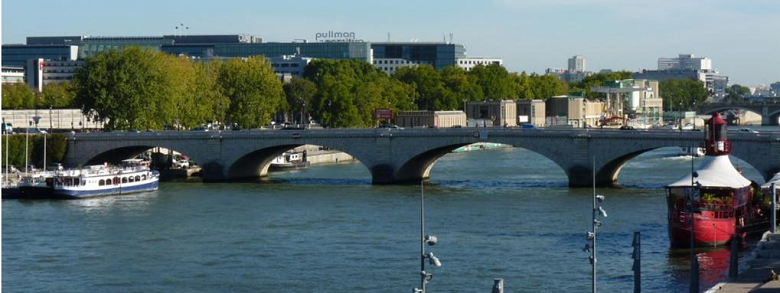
<point x="741" y="37"/>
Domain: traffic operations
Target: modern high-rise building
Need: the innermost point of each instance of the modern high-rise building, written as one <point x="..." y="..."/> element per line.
<point x="685" y="61"/>
<point x="439" y="55"/>
<point x="577" y="64"/>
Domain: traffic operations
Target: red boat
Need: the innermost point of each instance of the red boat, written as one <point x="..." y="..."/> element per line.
<point x="722" y="200"/>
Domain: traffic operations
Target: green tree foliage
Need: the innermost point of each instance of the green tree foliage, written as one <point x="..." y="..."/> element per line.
<point x="254" y="92"/>
<point x="56" y="147"/>
<point x="427" y="84"/>
<point x="495" y="81"/>
<point x="682" y="93"/>
<point x="735" y="93"/>
<point x="545" y="86"/>
<point x="348" y="91"/>
<point x="18" y="96"/>
<point x="300" y="94"/>
<point x="129" y="88"/>
<point x="57" y="95"/>
<point x="460" y="86"/>
<point x="598" y="79"/>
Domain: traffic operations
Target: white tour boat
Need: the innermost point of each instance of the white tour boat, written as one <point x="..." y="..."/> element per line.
<point x="133" y="175"/>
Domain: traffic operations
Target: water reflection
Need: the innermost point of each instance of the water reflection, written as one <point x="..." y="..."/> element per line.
<point x="130" y="202"/>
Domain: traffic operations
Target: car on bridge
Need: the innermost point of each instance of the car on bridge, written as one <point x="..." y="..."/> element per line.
<point x="748" y="130"/>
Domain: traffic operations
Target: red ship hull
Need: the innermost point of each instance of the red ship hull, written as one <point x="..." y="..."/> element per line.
<point x="708" y="231"/>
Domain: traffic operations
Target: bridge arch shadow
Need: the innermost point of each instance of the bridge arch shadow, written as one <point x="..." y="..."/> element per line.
<point x="641" y="168"/>
<point x="499" y="166"/>
<point x="256" y="164"/>
<point x="157" y="154"/>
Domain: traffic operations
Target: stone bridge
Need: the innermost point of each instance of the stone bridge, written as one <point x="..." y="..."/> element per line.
<point x="770" y="113"/>
<point x="407" y="155"/>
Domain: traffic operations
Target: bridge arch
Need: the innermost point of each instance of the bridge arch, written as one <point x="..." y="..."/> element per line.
<point x="419" y="165"/>
<point x="255" y="163"/>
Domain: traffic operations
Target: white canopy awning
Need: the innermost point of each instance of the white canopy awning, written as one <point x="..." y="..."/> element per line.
<point x="715" y="171"/>
<point x="775" y="179"/>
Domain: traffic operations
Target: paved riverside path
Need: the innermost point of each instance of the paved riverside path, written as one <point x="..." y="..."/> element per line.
<point x="754" y="279"/>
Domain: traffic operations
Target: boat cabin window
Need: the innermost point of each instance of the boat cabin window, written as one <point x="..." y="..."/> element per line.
<point x="101" y="182"/>
<point x="124" y="179"/>
<point x="132" y="179"/>
<point x="77" y="181"/>
<point x="137" y="178"/>
<point x="116" y="180"/>
<point x="143" y="177"/>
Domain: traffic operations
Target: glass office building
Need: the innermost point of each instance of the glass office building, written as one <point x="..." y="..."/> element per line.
<point x="326" y="50"/>
<point x="439" y="54"/>
<point x="17" y="55"/>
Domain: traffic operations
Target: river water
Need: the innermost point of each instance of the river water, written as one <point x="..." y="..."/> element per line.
<point x="504" y="213"/>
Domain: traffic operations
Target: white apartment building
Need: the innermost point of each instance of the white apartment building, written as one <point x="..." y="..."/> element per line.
<point x="577" y="63"/>
<point x="42" y="72"/>
<point x="12" y="74"/>
<point x="469" y="63"/>
<point x="391" y="65"/>
<point x="685" y="61"/>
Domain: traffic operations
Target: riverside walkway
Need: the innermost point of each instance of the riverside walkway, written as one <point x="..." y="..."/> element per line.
<point x="757" y="278"/>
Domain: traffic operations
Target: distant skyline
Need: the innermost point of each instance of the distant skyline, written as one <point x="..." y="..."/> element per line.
<point x="741" y="38"/>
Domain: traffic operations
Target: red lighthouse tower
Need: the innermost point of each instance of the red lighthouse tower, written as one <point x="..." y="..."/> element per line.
<point x="719" y="196"/>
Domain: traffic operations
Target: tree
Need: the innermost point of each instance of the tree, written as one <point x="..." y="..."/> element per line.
<point x="682" y="93"/>
<point x="546" y="86"/>
<point x="57" y="95"/>
<point x="460" y="87"/>
<point x="524" y="86"/>
<point x="428" y="85"/>
<point x="300" y="93"/>
<point x="735" y="93"/>
<point x="18" y="96"/>
<point x="254" y="91"/>
<point x="128" y="88"/>
<point x="495" y="81"/>
<point x="597" y="80"/>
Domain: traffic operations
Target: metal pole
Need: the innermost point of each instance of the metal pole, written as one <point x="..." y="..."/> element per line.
<point x="422" y="236"/>
<point x="694" y="286"/>
<point x="593" y="225"/>
<point x="773" y="193"/>
<point x="26" y="146"/>
<point x="44" y="151"/>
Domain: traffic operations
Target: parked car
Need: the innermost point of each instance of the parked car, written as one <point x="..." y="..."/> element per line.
<point x="748" y="130"/>
<point x="528" y="126"/>
<point x="389" y="126"/>
<point x="182" y="164"/>
<point x="626" y="127"/>
<point x="33" y="130"/>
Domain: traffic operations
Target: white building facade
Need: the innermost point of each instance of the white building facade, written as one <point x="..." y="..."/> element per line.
<point x="470" y="63"/>
<point x="685" y="61"/>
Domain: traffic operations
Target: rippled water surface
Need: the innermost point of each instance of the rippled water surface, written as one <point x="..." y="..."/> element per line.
<point x="498" y="214"/>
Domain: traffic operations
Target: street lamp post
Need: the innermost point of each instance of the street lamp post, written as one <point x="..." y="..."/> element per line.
<point x="37" y="119"/>
<point x="27" y="147"/>
<point x="695" y="186"/>
<point x="7" y="137"/>
<point x="50" y="121"/>
<point x="591" y="235"/>
<point x="431" y="240"/>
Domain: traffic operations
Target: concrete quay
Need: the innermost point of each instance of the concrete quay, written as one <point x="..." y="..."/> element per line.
<point x="757" y="277"/>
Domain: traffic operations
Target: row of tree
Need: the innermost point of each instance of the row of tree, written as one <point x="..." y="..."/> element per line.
<point x="144" y="89"/>
<point x="21" y="96"/>
<point x="138" y="88"/>
<point x="56" y="147"/>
